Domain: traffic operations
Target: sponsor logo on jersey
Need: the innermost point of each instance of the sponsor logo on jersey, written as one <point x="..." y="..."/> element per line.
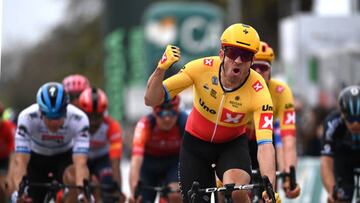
<point x="266" y="121"/>
<point x="237" y="98"/>
<point x="235" y="104"/>
<point x="257" y="86"/>
<point x="22" y="131"/>
<point x="163" y="58"/>
<point x="228" y="116"/>
<point x="289" y="117"/>
<point x="279" y="88"/>
<point x="214" y="80"/>
<point x="55" y="138"/>
<point x="209" y="62"/>
<point x="213" y="93"/>
<point x="205" y="107"/>
<point x="267" y="107"/>
<point x="289" y="106"/>
<point x="206" y="87"/>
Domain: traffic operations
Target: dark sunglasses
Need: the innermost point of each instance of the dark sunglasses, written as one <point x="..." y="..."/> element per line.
<point x="233" y="53"/>
<point x="54" y="117"/>
<point x="164" y="113"/>
<point x="352" y="119"/>
<point x="260" y="67"/>
<point x="95" y="116"/>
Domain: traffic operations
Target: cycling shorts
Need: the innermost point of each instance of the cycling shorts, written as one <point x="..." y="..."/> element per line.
<point x="101" y="168"/>
<point x="197" y="156"/>
<point x="41" y="166"/>
<point x="158" y="171"/>
<point x="345" y="161"/>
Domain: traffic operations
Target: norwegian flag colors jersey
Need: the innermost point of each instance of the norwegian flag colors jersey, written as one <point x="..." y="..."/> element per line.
<point x="283" y="108"/>
<point x="218" y="115"/>
<point x="106" y="140"/>
<point x="7" y="133"/>
<point x="33" y="135"/>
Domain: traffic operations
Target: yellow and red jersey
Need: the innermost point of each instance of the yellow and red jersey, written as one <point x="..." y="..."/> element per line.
<point x="284" y="109"/>
<point x="7" y="138"/>
<point x="106" y="140"/>
<point x="218" y="115"/>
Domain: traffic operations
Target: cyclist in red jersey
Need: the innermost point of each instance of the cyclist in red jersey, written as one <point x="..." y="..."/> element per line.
<point x="227" y="95"/>
<point x="74" y="85"/>
<point x="105" y="141"/>
<point x="7" y="132"/>
<point x="156" y="146"/>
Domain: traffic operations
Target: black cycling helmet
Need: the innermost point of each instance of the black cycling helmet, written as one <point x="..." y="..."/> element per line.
<point x="349" y="102"/>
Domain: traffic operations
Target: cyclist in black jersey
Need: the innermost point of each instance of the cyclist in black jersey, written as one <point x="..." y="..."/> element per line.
<point x="341" y="146"/>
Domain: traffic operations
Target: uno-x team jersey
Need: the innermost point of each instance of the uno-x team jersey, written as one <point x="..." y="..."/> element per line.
<point x="7" y="134"/>
<point x="283" y="108"/>
<point x="33" y="135"/>
<point x="149" y="139"/>
<point x="218" y="115"/>
<point x="337" y="138"/>
<point x="106" y="140"/>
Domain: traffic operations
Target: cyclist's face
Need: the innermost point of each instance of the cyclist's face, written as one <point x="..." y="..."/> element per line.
<point x="166" y="119"/>
<point x="263" y="68"/>
<point x="236" y="62"/>
<point x="74" y="98"/>
<point x="53" y="125"/>
<point x="354" y="126"/>
<point x="95" y="121"/>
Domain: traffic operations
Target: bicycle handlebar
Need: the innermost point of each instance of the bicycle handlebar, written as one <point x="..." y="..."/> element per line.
<point x="291" y="174"/>
<point x="227" y="189"/>
<point x="163" y="190"/>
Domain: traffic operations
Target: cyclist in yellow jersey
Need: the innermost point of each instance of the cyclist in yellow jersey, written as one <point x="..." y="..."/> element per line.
<point x="284" y="111"/>
<point x="227" y="94"/>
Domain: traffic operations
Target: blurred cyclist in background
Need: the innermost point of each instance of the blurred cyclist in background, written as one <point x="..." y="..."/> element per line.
<point x="105" y="141"/>
<point x="284" y="111"/>
<point x="227" y="95"/>
<point x="7" y="133"/>
<point x="341" y="146"/>
<point x="51" y="137"/>
<point x="156" y="146"/>
<point x="74" y="85"/>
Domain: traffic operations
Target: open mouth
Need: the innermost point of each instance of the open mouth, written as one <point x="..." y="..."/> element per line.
<point x="236" y="70"/>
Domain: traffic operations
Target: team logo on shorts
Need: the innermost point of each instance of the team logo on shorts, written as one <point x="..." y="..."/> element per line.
<point x="266" y="121"/>
<point x="228" y="116"/>
<point x="289" y="117"/>
<point x="257" y="86"/>
<point x="209" y="62"/>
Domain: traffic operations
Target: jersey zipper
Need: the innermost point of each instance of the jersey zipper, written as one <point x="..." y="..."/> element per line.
<point x="218" y="117"/>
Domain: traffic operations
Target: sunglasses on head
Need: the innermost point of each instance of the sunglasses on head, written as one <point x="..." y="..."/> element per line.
<point x="233" y="53"/>
<point x="166" y="112"/>
<point x="260" y="67"/>
<point x="352" y="119"/>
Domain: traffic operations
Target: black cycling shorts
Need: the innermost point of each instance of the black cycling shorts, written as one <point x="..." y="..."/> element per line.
<point x="345" y="161"/>
<point x="41" y="166"/>
<point x="197" y="156"/>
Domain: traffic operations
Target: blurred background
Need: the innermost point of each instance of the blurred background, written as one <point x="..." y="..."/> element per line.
<point x="117" y="45"/>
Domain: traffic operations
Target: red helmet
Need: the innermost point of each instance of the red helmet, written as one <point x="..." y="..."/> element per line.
<point x="173" y="104"/>
<point x="75" y="83"/>
<point x="93" y="101"/>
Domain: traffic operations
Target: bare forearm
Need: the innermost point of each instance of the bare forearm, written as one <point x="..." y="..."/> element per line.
<point x="266" y="158"/>
<point x="290" y="154"/>
<point x="154" y="94"/>
<point x="280" y="158"/>
<point x="20" y="164"/>
<point x="81" y="169"/>
<point x="115" y="165"/>
<point x="327" y="173"/>
<point x="136" y="162"/>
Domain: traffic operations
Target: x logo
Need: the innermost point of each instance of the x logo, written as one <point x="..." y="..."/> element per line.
<point x="208" y="62"/>
<point x="266" y="121"/>
<point x="289" y="117"/>
<point x="245" y="31"/>
<point x="230" y="119"/>
<point x="163" y="59"/>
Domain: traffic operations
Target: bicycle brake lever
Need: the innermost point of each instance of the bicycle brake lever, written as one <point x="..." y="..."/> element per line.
<point x="269" y="188"/>
<point x="193" y="191"/>
<point x="292" y="178"/>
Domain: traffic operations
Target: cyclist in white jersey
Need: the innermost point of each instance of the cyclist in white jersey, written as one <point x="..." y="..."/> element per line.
<point x="51" y="135"/>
